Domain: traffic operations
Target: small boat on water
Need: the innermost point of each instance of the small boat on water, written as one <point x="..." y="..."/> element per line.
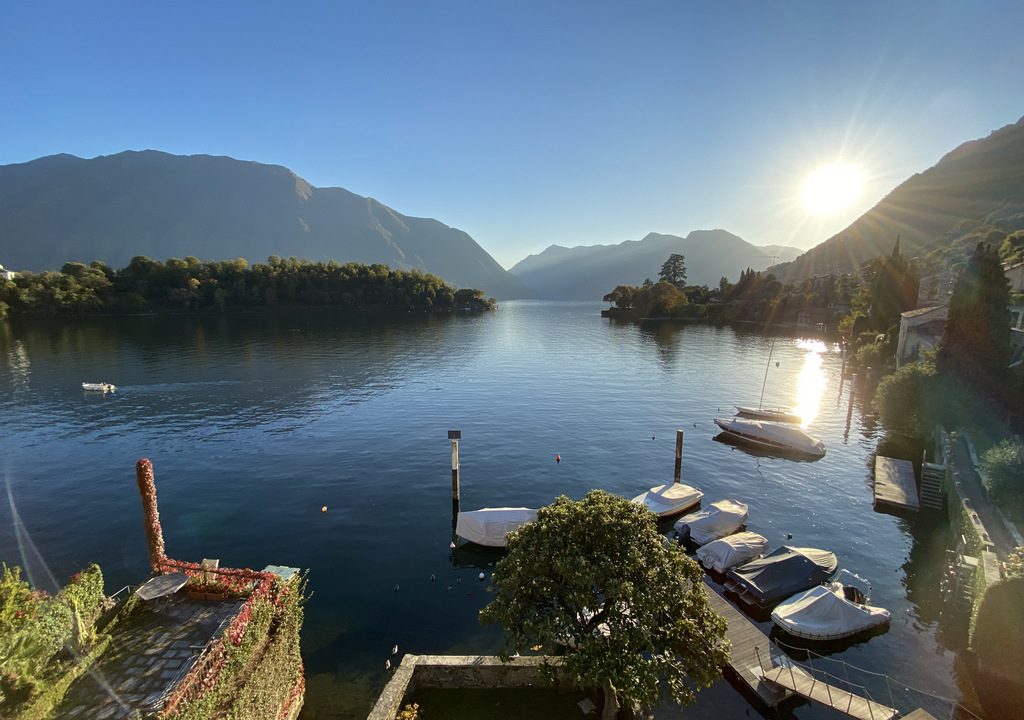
<point x="834" y="611"/>
<point x="775" y="437"/>
<point x="491" y="526"/>
<point x="722" y="518"/>
<point x="764" y="582"/>
<point x="669" y="499"/>
<point x="99" y="387"/>
<point x="732" y="550"/>
<point x="770" y="414"/>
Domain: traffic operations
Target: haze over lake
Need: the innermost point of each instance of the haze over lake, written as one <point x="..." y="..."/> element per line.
<point x="254" y="422"/>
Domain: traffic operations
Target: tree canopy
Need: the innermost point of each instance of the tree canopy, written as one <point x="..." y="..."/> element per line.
<point x="595" y="576"/>
<point x="975" y="346"/>
<point x="673" y="270"/>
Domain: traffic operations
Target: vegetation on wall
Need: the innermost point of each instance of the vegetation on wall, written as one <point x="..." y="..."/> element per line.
<point x="1003" y="467"/>
<point x="187" y="284"/>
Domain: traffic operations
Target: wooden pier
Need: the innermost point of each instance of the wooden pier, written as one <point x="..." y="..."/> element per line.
<point x="895" y="485"/>
<point x="748" y="647"/>
<point x="806" y="685"/>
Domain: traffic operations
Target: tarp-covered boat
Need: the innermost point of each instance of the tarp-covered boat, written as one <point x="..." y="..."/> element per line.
<point x="775" y="437"/>
<point x="780" y="574"/>
<point x="99" y="387"/>
<point x="670" y="499"/>
<point x="771" y="414"/>
<point x="737" y="549"/>
<point x="721" y="518"/>
<point x="490" y="526"/>
<point x="829" y="612"/>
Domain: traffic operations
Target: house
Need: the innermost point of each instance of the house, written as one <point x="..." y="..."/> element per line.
<point x="920" y="330"/>
<point x="1015" y="274"/>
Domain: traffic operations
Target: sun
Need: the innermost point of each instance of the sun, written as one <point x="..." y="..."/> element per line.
<point x="832" y="188"/>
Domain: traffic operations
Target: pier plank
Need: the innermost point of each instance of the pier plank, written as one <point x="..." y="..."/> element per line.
<point x="800" y="682"/>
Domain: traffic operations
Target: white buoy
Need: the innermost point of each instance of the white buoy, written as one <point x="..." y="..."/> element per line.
<point x="481" y="576"/>
<point x="387" y="664"/>
<point x="394" y="650"/>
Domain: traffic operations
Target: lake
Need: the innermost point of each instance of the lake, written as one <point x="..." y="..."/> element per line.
<point x="253" y="422"/>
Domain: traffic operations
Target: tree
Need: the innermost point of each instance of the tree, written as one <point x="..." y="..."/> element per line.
<point x="630" y="608"/>
<point x="975" y="346"/>
<point x="893" y="289"/>
<point x="673" y="270"/>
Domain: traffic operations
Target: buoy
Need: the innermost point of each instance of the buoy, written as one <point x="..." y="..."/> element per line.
<point x="481" y="576"/>
<point x="452" y="544"/>
<point x="323" y="508"/>
<point x="387" y="664"/>
<point x="432" y="577"/>
<point x="394" y="650"/>
<point x="558" y="458"/>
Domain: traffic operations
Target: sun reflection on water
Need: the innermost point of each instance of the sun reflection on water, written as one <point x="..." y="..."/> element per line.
<point x="810" y="382"/>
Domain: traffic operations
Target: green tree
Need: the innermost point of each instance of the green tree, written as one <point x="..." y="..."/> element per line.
<point x="623" y="296"/>
<point x="1003" y="464"/>
<point x="893" y="289"/>
<point x="595" y="576"/>
<point x="673" y="270"/>
<point x="975" y="346"/>
<point x="903" y="400"/>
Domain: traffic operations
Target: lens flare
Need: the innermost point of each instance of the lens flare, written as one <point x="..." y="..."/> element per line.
<point x="832" y="188"/>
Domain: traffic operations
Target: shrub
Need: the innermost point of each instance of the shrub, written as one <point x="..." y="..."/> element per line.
<point x="1003" y="465"/>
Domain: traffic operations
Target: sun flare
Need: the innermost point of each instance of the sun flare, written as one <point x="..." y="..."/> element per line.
<point x="832" y="188"/>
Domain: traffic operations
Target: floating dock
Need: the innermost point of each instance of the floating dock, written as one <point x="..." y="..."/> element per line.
<point x="895" y="485"/>
<point x="748" y="647"/>
<point x="805" y="685"/>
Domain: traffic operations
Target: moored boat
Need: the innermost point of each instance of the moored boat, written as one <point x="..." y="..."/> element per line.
<point x="491" y="526"/>
<point x="838" y="610"/>
<point x="764" y="582"/>
<point x="721" y="518"/>
<point x="732" y="550"/>
<point x="669" y="499"/>
<point x="771" y="414"/>
<point x="99" y="387"/>
<point x="774" y="437"/>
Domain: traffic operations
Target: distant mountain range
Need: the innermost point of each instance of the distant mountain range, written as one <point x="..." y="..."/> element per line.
<point x="591" y="271"/>
<point x="974" y="190"/>
<point x="111" y="208"/>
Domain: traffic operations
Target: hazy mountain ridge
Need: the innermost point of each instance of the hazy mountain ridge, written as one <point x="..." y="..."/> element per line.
<point x="111" y="208"/>
<point x="976" y="186"/>
<point x="588" y="272"/>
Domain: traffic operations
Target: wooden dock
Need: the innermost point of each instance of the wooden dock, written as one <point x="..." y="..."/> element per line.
<point x="806" y="685"/>
<point x="746" y="642"/>
<point x="895" y="485"/>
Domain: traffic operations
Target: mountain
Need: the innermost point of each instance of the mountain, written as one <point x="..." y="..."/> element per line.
<point x="111" y="208"/>
<point x="972" y="191"/>
<point x="589" y="272"/>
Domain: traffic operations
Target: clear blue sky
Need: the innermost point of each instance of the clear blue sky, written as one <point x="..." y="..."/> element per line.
<point x="527" y="123"/>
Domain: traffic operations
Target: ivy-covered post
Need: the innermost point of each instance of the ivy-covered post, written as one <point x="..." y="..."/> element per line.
<point x="154" y="533"/>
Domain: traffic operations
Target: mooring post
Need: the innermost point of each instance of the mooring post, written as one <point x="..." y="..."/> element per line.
<point x="455" y="436"/>
<point x="154" y="533"/>
<point x="679" y="456"/>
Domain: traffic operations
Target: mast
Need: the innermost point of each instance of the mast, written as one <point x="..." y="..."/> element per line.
<point x="765" y="381"/>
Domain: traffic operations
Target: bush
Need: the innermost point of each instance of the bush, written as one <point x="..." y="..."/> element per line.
<point x="1003" y="465"/>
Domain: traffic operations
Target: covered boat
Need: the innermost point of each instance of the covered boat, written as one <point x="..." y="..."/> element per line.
<point x="99" y="387"/>
<point x="670" y="499"/>
<point x="830" y="612"/>
<point x="723" y="517"/>
<point x="732" y="550"/>
<point x="766" y="581"/>
<point x="775" y="437"/>
<point x="490" y="526"/>
<point x="772" y="414"/>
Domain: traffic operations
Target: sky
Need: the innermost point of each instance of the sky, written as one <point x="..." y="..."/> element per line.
<point x="526" y="123"/>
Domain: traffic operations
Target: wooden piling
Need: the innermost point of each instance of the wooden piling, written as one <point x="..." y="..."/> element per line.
<point x="455" y="436"/>
<point x="678" y="477"/>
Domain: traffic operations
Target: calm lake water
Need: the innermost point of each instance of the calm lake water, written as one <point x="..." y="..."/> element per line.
<point x="253" y="422"/>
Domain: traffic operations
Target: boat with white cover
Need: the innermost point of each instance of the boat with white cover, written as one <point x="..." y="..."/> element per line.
<point x="491" y="526"/>
<point x="771" y="414"/>
<point x="670" y="499"/>
<point x="723" y="517"/>
<point x="778" y="575"/>
<point x="775" y="437"/>
<point x="838" y="610"/>
<point x="99" y="387"/>
<point x="732" y="550"/>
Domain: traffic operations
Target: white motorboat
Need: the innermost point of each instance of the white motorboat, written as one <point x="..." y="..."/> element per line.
<point x="669" y="499"/>
<point x="732" y="550"/>
<point x="491" y="526"/>
<point x="837" y="610"/>
<point x="99" y="387"/>
<point x="771" y="414"/>
<point x="774" y="437"/>
<point x="763" y="582"/>
<point x="722" y="518"/>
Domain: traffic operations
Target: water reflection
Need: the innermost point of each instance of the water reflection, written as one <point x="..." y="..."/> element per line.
<point x="810" y="381"/>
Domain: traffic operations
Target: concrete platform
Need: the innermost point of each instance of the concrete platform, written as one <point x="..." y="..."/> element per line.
<point x="895" y="485"/>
